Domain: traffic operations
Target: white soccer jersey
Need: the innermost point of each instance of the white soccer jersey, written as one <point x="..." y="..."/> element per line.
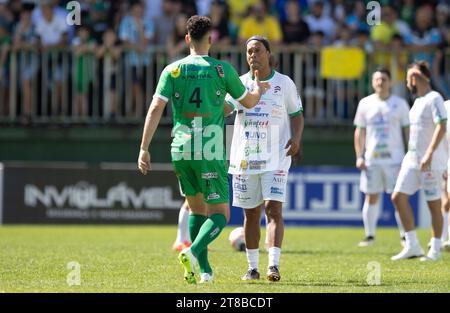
<point x="447" y="136"/>
<point x="426" y="112"/>
<point x="383" y="121"/>
<point x="261" y="133"/>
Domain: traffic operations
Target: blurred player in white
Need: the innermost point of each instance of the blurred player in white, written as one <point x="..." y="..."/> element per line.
<point x="424" y="163"/>
<point x="183" y="239"/>
<point x="261" y="151"/>
<point x="381" y="134"/>
<point x="445" y="208"/>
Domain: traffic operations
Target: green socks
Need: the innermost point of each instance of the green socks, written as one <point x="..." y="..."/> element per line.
<point x="195" y="223"/>
<point x="208" y="232"/>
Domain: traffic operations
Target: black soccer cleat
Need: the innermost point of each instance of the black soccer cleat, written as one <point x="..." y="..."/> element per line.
<point x="252" y="274"/>
<point x="273" y="273"/>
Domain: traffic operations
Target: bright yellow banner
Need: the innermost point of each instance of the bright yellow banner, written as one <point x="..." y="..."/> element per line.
<point x="342" y="63"/>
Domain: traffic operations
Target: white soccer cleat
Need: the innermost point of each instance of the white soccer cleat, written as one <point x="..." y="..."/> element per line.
<point x="367" y="242"/>
<point x="409" y="252"/>
<point x="206" y="278"/>
<point x="446" y="245"/>
<point x="431" y="256"/>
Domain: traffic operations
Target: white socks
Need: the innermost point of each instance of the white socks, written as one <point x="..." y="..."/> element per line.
<point x="252" y="258"/>
<point x="274" y="256"/>
<point x="399" y="224"/>
<point x="370" y="218"/>
<point x="435" y="245"/>
<point x="411" y="238"/>
<point x="183" y="227"/>
<point x="445" y="228"/>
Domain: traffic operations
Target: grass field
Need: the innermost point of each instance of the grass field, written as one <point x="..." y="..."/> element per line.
<point x="139" y="259"/>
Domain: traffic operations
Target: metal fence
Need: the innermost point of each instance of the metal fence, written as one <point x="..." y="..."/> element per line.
<point x="61" y="86"/>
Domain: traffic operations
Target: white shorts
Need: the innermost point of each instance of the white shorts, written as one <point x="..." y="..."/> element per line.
<point x="249" y="191"/>
<point x="411" y="180"/>
<point x="378" y="178"/>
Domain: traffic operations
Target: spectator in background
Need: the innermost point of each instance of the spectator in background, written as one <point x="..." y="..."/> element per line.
<point x="239" y="9"/>
<point x="5" y="44"/>
<point x="315" y="94"/>
<point x="136" y="34"/>
<point x="295" y="29"/>
<point x="338" y="11"/>
<point x="6" y="16"/>
<point x="362" y="40"/>
<point x="424" y="37"/>
<point x="52" y="30"/>
<point x="204" y="6"/>
<point x="109" y="52"/>
<point x="165" y="23"/>
<point x="356" y="20"/>
<point x="441" y="77"/>
<point x="83" y="48"/>
<point x="281" y="8"/>
<point x="260" y="23"/>
<point x="98" y="18"/>
<point x="343" y="38"/>
<point x="407" y="11"/>
<point x="177" y="47"/>
<point x="153" y="9"/>
<point x="220" y="33"/>
<point x="26" y="43"/>
<point x="398" y="64"/>
<point x="443" y="18"/>
<point x="319" y="21"/>
<point x="382" y="33"/>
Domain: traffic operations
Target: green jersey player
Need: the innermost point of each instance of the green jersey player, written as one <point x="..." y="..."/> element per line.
<point x="196" y="86"/>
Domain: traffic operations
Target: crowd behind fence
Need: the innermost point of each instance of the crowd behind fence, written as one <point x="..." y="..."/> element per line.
<point x="116" y="86"/>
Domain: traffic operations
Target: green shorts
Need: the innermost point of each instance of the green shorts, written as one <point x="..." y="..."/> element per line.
<point x="207" y="177"/>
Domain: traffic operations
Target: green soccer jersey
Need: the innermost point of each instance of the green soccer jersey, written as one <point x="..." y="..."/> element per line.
<point x="197" y="86"/>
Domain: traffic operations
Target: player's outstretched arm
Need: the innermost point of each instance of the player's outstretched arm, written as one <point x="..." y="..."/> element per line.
<point x="439" y="133"/>
<point x="151" y="123"/>
<point x="252" y="98"/>
<point x="359" y="143"/>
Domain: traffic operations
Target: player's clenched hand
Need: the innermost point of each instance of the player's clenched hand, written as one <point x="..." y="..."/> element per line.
<point x="361" y="164"/>
<point x="144" y="161"/>
<point x="263" y="86"/>
<point x="294" y="147"/>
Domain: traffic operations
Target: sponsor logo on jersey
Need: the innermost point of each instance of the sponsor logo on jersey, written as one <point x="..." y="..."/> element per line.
<point x="277" y="89"/>
<point x="220" y="71"/>
<point x="210" y="175"/>
<point x="244" y="164"/>
<point x="276" y="113"/>
<point x="240" y="178"/>
<point x="256" y="124"/>
<point x="257" y="164"/>
<point x="240" y="187"/>
<point x="175" y="73"/>
<point x="276" y="190"/>
<point x="241" y="197"/>
<point x="255" y="135"/>
<point x="252" y="150"/>
<point x="257" y="114"/>
<point x="197" y="114"/>
<point x="213" y="196"/>
<point x="279" y="180"/>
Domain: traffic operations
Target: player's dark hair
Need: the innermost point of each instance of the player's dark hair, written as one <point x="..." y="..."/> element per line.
<point x="261" y="39"/>
<point x="423" y="67"/>
<point x="383" y="70"/>
<point x="198" y="26"/>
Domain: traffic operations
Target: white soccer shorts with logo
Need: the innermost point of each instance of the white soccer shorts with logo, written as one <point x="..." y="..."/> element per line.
<point x="249" y="191"/>
<point x="411" y="180"/>
<point x="378" y="178"/>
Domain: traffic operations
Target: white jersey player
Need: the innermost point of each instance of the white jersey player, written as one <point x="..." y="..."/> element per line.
<point x="382" y="123"/>
<point x="261" y="151"/>
<point x="445" y="209"/>
<point x="424" y="163"/>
